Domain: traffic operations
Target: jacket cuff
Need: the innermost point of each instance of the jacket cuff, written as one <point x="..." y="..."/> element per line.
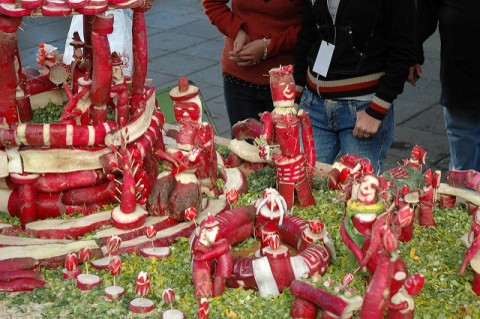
<point x="378" y="108"/>
<point x="298" y="93"/>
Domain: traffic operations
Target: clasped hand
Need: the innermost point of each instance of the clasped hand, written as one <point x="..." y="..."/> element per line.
<point x="246" y="53"/>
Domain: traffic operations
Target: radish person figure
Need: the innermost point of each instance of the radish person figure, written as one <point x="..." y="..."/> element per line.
<point x="293" y="167"/>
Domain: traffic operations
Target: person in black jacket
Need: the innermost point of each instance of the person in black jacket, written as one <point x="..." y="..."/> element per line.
<point x="351" y="62"/>
<point x="459" y="30"/>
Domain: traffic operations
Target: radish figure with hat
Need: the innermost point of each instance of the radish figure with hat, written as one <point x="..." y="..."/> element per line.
<point x="79" y="66"/>
<point x="76" y="111"/>
<point x="211" y="258"/>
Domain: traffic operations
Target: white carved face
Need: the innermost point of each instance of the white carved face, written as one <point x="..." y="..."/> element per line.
<point x="367" y="191"/>
<point x="211" y="234"/>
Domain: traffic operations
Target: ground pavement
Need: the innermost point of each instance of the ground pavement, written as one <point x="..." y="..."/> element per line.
<point x="182" y="42"/>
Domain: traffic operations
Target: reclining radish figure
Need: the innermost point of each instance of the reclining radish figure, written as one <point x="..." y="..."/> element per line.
<point x="294" y="167"/>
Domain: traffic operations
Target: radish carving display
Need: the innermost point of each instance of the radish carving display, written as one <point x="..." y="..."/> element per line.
<point x="113" y="243"/>
<point x="71" y="269"/>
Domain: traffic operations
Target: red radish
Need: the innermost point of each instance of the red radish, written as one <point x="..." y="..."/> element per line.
<point x="141" y="305"/>
<point x="84" y="255"/>
<point x="378" y="291"/>
<point x="232" y="196"/>
<point x="142" y="284"/>
<point x="316" y="226"/>
<point x="114" y="267"/>
<point x="339" y="306"/>
<point x="142" y="287"/>
<point x="191" y="214"/>
<point x="21" y="284"/>
<point x="16" y="274"/>
<point x="113" y="243"/>
<point x="18" y="263"/>
<point x="87" y="281"/>
<point x="71" y="269"/>
<point x="202" y="312"/>
<point x="150" y="231"/>
<point x="274" y="242"/>
<point x="168" y="295"/>
<point x="114" y="292"/>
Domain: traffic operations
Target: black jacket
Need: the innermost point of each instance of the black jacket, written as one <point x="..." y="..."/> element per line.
<point x="459" y="26"/>
<point x="370" y="36"/>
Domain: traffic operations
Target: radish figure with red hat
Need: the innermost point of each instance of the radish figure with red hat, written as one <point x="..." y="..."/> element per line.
<point x="211" y="256"/>
<point x="401" y="304"/>
<point x="281" y="135"/>
<point x="79" y="66"/>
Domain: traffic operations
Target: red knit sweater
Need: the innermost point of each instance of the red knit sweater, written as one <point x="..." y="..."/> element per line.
<point x="278" y="20"/>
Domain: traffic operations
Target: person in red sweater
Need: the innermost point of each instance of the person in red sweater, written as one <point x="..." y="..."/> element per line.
<point x="259" y="35"/>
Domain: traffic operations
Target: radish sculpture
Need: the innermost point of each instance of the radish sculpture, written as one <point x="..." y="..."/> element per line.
<point x="129" y="214"/>
<point x="114" y="268"/>
<point x="168" y="296"/>
<point x="158" y="252"/>
<point x="113" y="243"/>
<point x="71" y="270"/>
<point x="208" y="247"/>
<point x="472" y="255"/>
<point x="86" y="281"/>
<point x="193" y="160"/>
<point x="202" y="312"/>
<point x="142" y="287"/>
<point x="280" y="140"/>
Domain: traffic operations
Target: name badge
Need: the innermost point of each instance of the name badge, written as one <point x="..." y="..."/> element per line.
<point x="324" y="57"/>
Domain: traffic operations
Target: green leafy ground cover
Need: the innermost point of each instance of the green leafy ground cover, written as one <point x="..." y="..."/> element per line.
<point x="435" y="252"/>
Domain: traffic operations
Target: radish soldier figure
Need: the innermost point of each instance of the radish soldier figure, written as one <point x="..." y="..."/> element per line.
<point x="293" y="167"/>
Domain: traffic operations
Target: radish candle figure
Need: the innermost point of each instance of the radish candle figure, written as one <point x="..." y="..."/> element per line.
<point x="293" y="167"/>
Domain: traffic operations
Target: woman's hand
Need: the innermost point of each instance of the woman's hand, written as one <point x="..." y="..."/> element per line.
<point x="366" y="125"/>
<point x="250" y="54"/>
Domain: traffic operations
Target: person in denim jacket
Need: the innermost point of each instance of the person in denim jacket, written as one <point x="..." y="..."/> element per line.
<point x="459" y="73"/>
<point x="351" y="62"/>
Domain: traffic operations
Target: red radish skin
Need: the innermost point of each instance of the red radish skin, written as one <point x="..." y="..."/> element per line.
<point x="71" y="274"/>
<point x="87" y="281"/>
<point x="21" y="284"/>
<point x="25" y="273"/>
<point x="102" y="64"/>
<point x="90" y="195"/>
<point x="18" y="264"/>
<point x="378" y="291"/>
<point x="139" y="42"/>
<point x="69" y="228"/>
<point x="57" y="182"/>
<point x="141" y="305"/>
<point x="8" y="85"/>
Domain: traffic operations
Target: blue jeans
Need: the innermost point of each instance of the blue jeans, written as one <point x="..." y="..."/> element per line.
<point x="463" y="132"/>
<point x="333" y="122"/>
<point x="243" y="101"/>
